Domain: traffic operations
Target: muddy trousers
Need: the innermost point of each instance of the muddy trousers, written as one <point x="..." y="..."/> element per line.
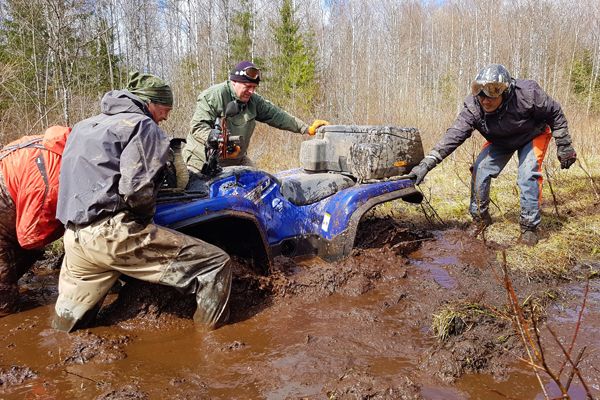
<point x="97" y="254"/>
<point x="492" y="160"/>
<point x="14" y="260"/>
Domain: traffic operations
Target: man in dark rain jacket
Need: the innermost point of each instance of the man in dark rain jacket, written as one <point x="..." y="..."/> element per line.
<point x="512" y="115"/>
<point x="112" y="169"/>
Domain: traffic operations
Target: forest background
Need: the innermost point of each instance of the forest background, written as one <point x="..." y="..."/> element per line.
<point x="393" y="62"/>
<point x="405" y="63"/>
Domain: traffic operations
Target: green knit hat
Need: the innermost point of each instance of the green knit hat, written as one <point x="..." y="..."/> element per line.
<point x="150" y="88"/>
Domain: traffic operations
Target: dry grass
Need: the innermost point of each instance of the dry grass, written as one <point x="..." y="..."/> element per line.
<point x="448" y="321"/>
<point x="456" y="318"/>
<point x="570" y="220"/>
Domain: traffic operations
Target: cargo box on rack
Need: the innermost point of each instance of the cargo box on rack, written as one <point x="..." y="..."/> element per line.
<point x="365" y="151"/>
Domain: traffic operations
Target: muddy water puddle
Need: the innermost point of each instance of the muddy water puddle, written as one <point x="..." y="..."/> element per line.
<point x="290" y="351"/>
<point x="359" y="328"/>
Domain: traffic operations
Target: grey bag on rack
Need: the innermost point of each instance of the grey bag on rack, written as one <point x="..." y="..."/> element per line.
<point x="366" y="152"/>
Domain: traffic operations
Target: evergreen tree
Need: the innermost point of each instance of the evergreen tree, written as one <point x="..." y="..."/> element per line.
<point x="293" y="68"/>
<point x="59" y="50"/>
<point x="241" y="46"/>
<point x="586" y="86"/>
<point x="241" y="41"/>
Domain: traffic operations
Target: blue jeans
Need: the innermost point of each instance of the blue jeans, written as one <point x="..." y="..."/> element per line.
<point x="492" y="160"/>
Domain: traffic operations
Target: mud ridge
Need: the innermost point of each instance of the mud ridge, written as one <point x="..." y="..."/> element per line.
<point x="15" y="375"/>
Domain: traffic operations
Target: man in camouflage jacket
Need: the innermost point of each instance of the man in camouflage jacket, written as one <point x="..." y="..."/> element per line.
<point x="211" y="104"/>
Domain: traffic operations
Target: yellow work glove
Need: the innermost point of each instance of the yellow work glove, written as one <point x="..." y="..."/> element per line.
<point x="315" y="125"/>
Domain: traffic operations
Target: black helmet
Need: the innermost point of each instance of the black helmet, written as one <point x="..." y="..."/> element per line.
<point x="492" y="81"/>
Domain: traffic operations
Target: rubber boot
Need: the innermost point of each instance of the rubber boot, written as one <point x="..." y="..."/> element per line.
<point x="201" y="320"/>
<point x="529" y="237"/>
<point x="8" y="299"/>
<point x="68" y="323"/>
<point x="212" y="300"/>
<point x="479" y="225"/>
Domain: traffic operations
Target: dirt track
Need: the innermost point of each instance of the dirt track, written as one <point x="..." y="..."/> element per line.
<point x="358" y="328"/>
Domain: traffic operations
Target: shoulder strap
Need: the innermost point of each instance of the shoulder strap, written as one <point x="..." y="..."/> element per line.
<point x="35" y="142"/>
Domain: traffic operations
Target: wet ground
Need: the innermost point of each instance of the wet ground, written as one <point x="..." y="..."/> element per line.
<point x="356" y="329"/>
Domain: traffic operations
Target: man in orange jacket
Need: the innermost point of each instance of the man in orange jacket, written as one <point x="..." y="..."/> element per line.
<point x="29" y="171"/>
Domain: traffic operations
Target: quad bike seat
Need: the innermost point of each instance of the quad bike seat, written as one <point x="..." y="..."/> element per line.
<point x="304" y="189"/>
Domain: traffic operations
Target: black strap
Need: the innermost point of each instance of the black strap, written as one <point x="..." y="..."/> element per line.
<point x="39" y="161"/>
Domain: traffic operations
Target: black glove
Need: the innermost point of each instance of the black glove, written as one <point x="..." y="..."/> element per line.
<point x="213" y="138"/>
<point x="566" y="155"/>
<point x="419" y="171"/>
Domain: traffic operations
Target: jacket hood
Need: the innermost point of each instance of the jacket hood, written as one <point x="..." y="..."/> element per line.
<point x="55" y="138"/>
<point x="122" y="101"/>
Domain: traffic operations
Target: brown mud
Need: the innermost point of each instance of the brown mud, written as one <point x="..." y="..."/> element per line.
<point x="360" y="328"/>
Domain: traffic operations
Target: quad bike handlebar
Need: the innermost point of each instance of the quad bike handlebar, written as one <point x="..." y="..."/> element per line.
<point x="219" y="143"/>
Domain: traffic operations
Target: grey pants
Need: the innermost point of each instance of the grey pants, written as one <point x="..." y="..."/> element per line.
<point x="492" y="160"/>
<point x="97" y="254"/>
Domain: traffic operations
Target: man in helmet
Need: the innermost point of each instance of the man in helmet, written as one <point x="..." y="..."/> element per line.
<point x="512" y="115"/>
<point x="241" y="87"/>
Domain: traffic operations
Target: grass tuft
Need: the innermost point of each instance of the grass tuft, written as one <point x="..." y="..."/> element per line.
<point x="447" y="322"/>
<point x="454" y="319"/>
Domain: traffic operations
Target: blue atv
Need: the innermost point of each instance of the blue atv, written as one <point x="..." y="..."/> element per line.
<point x="313" y="210"/>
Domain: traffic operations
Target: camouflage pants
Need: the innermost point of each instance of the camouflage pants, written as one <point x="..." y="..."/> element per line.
<point x="14" y="260"/>
<point x="97" y="254"/>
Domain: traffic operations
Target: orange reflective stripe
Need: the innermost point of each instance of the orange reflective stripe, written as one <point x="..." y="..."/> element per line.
<point x="540" y="146"/>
